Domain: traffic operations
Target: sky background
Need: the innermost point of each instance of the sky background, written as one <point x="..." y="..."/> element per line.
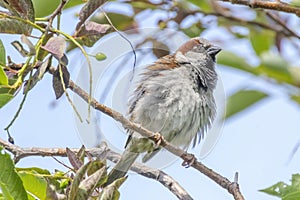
<point x="256" y="143"/>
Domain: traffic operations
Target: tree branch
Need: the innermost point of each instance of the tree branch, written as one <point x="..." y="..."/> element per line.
<point x="222" y="13"/>
<point x="155" y="174"/>
<point x="271" y="5"/>
<point x="57" y="11"/>
<point x="282" y="24"/>
<point x="231" y="187"/>
<point x="243" y="21"/>
<point x="102" y="152"/>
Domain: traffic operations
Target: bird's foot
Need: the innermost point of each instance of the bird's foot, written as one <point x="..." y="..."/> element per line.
<point x="189" y="159"/>
<point x="157" y="138"/>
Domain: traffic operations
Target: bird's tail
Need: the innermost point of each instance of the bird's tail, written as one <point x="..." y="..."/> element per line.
<point x="122" y="167"/>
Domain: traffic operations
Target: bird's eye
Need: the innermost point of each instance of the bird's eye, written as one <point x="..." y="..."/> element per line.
<point x="199" y="47"/>
<point x="206" y="46"/>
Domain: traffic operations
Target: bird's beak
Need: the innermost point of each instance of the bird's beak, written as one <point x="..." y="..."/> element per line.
<point x="213" y="50"/>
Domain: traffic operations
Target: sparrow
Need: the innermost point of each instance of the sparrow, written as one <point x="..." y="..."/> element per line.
<point x="174" y="97"/>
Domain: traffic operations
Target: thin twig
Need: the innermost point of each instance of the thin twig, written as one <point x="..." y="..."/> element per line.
<point x="21" y="74"/>
<point x="271" y="5"/>
<point x="250" y="22"/>
<point x="67" y="94"/>
<point x="55" y="13"/>
<point x="63" y="164"/>
<point x="125" y="38"/>
<point x="226" y="15"/>
<point x="102" y="152"/>
<point x="282" y="24"/>
<point x="17" y="113"/>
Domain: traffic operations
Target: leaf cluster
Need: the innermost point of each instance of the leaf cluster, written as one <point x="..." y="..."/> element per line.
<point x="83" y="181"/>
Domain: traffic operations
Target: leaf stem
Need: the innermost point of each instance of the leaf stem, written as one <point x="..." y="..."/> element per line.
<point x="4" y="15"/>
<point x="89" y="66"/>
<point x="19" y="109"/>
<point x="67" y="94"/>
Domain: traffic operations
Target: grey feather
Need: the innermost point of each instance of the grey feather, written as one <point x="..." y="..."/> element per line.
<point x="175" y="98"/>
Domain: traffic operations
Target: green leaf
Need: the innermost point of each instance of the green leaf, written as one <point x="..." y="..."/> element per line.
<point x="111" y="192"/>
<point x="91" y="32"/>
<point x="57" y="47"/>
<point x="230" y="59"/>
<point x="34" y="169"/>
<point x="73" y="3"/>
<point x="12" y="26"/>
<point x="295" y="98"/>
<point x="159" y="48"/>
<point x="19" y="47"/>
<point x="296" y="181"/>
<point x="275" y="190"/>
<point x="74" y="188"/>
<point x="241" y="100"/>
<point x="8" y="90"/>
<point x="194" y="30"/>
<point x="57" y="82"/>
<point x="5" y="192"/>
<point x="10" y="183"/>
<point x="97" y="164"/>
<point x="74" y="159"/>
<point x="120" y="21"/>
<point x="82" y="187"/>
<point x="2" y="54"/>
<point x="44" y="8"/>
<point x="202" y="4"/>
<point x="87" y="10"/>
<point x="37" y="76"/>
<point x="142" y="5"/>
<point x="295" y="3"/>
<point x="3" y="77"/>
<point x="261" y="40"/>
<point x="29" y="44"/>
<point x="292" y="196"/>
<point x="274" y="66"/>
<point x="81" y="153"/>
<point x="90" y="183"/>
<point x="285" y="191"/>
<point x="34" y="183"/>
<point x="4" y="99"/>
<point x="274" y="62"/>
<point x="64" y="183"/>
<point x="21" y="8"/>
<point x="295" y="73"/>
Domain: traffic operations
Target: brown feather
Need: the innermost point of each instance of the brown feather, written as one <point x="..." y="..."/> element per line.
<point x="189" y="45"/>
<point x="165" y="63"/>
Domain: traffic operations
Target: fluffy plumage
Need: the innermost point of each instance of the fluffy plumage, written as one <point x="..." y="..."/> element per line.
<point x="175" y="98"/>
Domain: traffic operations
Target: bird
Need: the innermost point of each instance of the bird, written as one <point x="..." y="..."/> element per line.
<point x="174" y="97"/>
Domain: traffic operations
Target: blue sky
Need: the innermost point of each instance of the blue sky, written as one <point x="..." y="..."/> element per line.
<point x="256" y="143"/>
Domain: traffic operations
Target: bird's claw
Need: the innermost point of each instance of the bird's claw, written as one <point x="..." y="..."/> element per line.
<point x="189" y="159"/>
<point x="157" y="138"/>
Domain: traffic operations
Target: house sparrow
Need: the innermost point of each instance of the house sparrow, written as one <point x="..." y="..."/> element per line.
<point x="174" y="98"/>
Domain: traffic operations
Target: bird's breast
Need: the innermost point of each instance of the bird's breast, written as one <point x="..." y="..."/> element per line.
<point x="171" y="106"/>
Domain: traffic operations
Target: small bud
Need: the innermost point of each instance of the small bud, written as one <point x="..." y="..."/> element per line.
<point x="100" y="56"/>
<point x="11" y="140"/>
<point x="162" y="24"/>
